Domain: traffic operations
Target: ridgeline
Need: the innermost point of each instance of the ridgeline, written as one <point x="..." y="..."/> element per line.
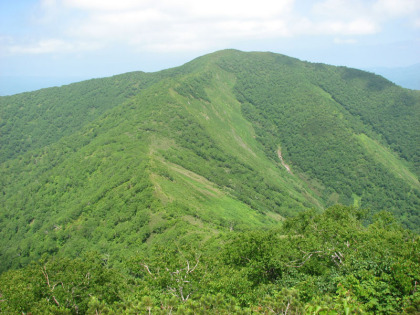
<point x="240" y="175"/>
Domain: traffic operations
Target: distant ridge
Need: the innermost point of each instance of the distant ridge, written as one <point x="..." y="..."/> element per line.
<point x="407" y="77"/>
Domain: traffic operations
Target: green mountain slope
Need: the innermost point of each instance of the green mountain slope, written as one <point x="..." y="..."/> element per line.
<point x="319" y="115"/>
<point x="229" y="141"/>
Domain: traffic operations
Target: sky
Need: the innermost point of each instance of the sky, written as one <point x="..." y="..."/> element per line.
<point x="54" y="42"/>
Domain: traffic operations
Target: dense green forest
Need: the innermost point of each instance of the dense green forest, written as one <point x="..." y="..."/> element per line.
<point x="328" y="263"/>
<point x="214" y="175"/>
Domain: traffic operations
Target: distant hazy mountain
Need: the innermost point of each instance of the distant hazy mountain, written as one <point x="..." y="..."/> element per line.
<point x="230" y="140"/>
<point x="10" y="85"/>
<point x="407" y="77"/>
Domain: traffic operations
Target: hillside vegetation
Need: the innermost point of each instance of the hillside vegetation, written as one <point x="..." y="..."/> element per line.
<point x="144" y="172"/>
<point x="315" y="264"/>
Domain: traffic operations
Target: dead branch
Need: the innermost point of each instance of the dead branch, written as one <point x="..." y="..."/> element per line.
<point x="337" y="258"/>
<point x="148" y="270"/>
<point x="287" y="307"/>
<point x="305" y="259"/>
<point x="197" y="261"/>
<point x="44" y="271"/>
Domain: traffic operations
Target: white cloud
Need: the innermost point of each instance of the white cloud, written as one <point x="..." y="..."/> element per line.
<point x="186" y="23"/>
<point x="237" y="9"/>
<point x="192" y="8"/>
<point x="106" y="5"/>
<point x="120" y="25"/>
<point x="374" y="10"/>
<point x="336" y="27"/>
<point x="396" y="8"/>
<point x="168" y="25"/>
<point x="51" y="46"/>
<point x="339" y="9"/>
<point x="356" y="27"/>
<point x="342" y="17"/>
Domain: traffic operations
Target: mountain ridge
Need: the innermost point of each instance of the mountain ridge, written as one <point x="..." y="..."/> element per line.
<point x="120" y="163"/>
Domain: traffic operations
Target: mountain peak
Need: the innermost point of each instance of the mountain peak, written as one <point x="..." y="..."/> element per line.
<point x="204" y="145"/>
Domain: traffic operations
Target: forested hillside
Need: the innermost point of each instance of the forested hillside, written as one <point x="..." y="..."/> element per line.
<point x="326" y="263"/>
<point x="122" y="178"/>
<point x="352" y="135"/>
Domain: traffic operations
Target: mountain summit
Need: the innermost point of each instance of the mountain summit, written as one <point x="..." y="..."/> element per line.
<point x="229" y="141"/>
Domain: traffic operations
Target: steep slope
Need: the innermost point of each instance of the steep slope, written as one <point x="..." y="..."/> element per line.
<point x="188" y="152"/>
<point x="148" y="170"/>
<point x="321" y="116"/>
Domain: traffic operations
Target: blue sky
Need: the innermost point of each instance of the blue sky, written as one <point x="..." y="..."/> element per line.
<point x="52" y="42"/>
